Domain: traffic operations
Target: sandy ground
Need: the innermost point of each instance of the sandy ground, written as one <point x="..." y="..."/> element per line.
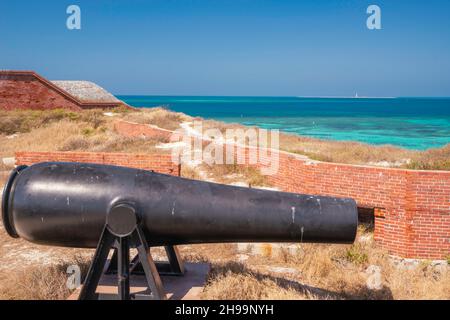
<point x="18" y="253"/>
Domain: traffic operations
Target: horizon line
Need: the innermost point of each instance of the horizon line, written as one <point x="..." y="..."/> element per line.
<point x="274" y="96"/>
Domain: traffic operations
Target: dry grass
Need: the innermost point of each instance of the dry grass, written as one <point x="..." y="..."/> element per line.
<point x="343" y="151"/>
<point x="226" y="174"/>
<point x="233" y="281"/>
<point x="320" y="272"/>
<point x="47" y="138"/>
<point x="88" y="130"/>
<point x="157" y="116"/>
<point x="222" y="126"/>
<point x="432" y="159"/>
<point x="231" y="173"/>
<point x="36" y="272"/>
<point x="20" y="121"/>
<point x="49" y="130"/>
<point x="326" y="272"/>
<point x="112" y="142"/>
<point x="190" y="173"/>
<point x="39" y="283"/>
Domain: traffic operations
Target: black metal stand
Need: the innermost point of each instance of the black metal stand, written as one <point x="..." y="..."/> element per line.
<point x="121" y="233"/>
<point x="173" y="267"/>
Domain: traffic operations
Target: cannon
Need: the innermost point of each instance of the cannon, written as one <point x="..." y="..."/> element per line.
<point x="109" y="207"/>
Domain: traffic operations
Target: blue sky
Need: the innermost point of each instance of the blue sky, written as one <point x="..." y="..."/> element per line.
<point x="234" y="47"/>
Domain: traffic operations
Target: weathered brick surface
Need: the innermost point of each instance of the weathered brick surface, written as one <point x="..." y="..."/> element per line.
<point x="158" y="162"/>
<point x="412" y="208"/>
<point x="31" y="94"/>
<point x="28" y="90"/>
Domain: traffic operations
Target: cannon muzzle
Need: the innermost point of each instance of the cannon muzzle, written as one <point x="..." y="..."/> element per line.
<point x="68" y="204"/>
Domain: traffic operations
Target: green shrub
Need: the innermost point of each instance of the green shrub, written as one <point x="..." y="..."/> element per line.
<point x="20" y="121"/>
<point x="356" y="254"/>
<point x="87" y="131"/>
<point x="9" y="125"/>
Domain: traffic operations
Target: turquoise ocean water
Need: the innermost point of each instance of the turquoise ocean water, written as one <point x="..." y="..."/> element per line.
<point x="414" y="123"/>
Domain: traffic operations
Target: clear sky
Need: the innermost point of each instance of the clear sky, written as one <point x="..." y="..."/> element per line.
<point x="234" y="47"/>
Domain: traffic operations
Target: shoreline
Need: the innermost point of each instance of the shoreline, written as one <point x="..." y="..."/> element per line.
<point x="401" y="122"/>
<point x="283" y="131"/>
<point x="306" y="136"/>
<point x="20" y="127"/>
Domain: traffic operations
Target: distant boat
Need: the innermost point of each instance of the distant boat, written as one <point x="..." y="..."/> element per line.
<point x="356" y="95"/>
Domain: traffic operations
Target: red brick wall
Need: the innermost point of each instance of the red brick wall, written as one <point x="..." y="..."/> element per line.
<point x="158" y="162"/>
<point x="28" y="90"/>
<point x="412" y="208"/>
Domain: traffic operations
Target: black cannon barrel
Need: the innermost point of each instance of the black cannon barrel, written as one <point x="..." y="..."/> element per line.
<point x="66" y="204"/>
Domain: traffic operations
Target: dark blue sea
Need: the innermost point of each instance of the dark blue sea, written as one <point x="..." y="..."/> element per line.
<point x="413" y="123"/>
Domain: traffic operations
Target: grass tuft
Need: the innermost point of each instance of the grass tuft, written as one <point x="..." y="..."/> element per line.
<point x="40" y="283"/>
<point x="355" y="254"/>
<point x="229" y="173"/>
<point x="160" y="117"/>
